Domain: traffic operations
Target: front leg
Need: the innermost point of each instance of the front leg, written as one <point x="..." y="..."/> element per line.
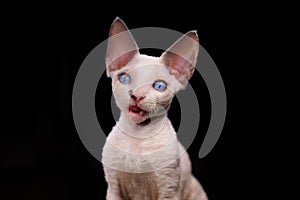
<point x="112" y="195"/>
<point x="169" y="181"/>
<point x="113" y="190"/>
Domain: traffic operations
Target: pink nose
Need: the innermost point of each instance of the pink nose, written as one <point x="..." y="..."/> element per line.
<point x="137" y="99"/>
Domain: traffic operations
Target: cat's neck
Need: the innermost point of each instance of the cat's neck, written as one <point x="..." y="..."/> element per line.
<point x="153" y="128"/>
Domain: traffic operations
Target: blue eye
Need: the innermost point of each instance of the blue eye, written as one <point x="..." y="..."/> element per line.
<point x="124" y="78"/>
<point x="160" y="85"/>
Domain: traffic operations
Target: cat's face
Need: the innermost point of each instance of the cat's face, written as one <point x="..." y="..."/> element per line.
<point x="144" y="90"/>
<point x="144" y="86"/>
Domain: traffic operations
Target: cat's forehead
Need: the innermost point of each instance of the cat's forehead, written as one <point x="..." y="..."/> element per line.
<point x="144" y="60"/>
<point x="147" y="67"/>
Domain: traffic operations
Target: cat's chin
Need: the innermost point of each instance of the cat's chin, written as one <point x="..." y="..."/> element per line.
<point x="144" y="123"/>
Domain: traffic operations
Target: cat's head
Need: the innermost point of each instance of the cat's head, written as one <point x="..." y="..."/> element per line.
<point x="144" y="86"/>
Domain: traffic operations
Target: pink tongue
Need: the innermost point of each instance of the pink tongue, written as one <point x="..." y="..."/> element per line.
<point x="135" y="109"/>
<point x="142" y="113"/>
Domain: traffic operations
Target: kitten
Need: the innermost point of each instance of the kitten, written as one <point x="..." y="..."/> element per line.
<point x="142" y="157"/>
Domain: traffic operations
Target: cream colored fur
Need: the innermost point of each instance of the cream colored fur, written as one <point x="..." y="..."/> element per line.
<point x="146" y="162"/>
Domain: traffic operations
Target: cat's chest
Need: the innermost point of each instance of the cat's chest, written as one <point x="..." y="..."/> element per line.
<point x="138" y="186"/>
<point x="139" y="155"/>
<point x="138" y="147"/>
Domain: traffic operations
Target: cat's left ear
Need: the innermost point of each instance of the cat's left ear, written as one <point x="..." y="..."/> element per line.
<point x="181" y="57"/>
<point x="121" y="47"/>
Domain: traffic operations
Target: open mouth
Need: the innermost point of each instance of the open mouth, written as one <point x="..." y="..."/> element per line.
<point x="139" y="116"/>
<point x="137" y="111"/>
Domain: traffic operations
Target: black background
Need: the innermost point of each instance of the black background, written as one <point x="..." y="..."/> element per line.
<point x="41" y="155"/>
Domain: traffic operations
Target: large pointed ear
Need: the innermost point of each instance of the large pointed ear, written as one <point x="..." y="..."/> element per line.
<point x="181" y="57"/>
<point x="121" y="47"/>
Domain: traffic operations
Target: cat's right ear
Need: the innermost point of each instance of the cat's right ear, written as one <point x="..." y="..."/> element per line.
<point x="121" y="47"/>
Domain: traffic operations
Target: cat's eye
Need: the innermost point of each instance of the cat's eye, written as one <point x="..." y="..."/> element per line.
<point x="124" y="78"/>
<point x="160" y="85"/>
